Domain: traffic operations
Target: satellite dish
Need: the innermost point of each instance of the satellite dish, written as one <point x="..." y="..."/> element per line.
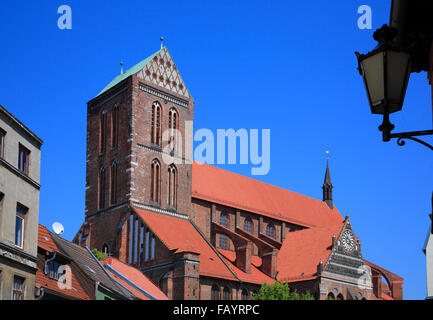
<point x="58" y="228"/>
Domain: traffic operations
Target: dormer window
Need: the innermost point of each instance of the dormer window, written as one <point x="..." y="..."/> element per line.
<point x="53" y="269"/>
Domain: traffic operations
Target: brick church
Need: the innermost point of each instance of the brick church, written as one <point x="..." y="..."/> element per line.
<point x="197" y="231"/>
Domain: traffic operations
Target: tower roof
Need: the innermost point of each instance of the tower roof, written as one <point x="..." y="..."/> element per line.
<point x="158" y="69"/>
<point x="327" y="181"/>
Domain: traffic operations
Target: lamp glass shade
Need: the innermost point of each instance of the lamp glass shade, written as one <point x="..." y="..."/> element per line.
<point x="386" y="74"/>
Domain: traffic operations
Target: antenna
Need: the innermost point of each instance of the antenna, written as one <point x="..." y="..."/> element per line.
<point x="121" y="67"/>
<point x="162" y="42"/>
<point x="58" y="228"/>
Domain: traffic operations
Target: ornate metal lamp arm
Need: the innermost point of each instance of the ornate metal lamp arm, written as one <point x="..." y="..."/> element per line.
<point x="409" y="135"/>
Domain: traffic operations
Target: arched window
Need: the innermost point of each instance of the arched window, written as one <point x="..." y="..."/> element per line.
<point x="102" y="187"/>
<point x="248" y="226"/>
<point x="223" y="239"/>
<point x="227" y="294"/>
<point x="173" y="119"/>
<point x="270" y="230"/>
<point x="105" y="249"/>
<point x="156" y="124"/>
<point x="331" y="296"/>
<point x="245" y="294"/>
<point x="224" y="220"/>
<point x="114" y="126"/>
<point x="215" y="293"/>
<point x="113" y="184"/>
<point x="340" y="297"/>
<point x="155" y="181"/>
<point x="172" y="186"/>
<point x="103" y="131"/>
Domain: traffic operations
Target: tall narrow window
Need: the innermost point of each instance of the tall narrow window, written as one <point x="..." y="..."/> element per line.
<point x="147" y="244"/>
<point x="227" y="295"/>
<point x="152" y="255"/>
<point x="136" y="241"/>
<point x="131" y="237"/>
<point x="270" y="231"/>
<point x="105" y="249"/>
<point x="223" y="239"/>
<point x="173" y="126"/>
<point x="2" y="143"/>
<point x="18" y="288"/>
<point x="172" y="186"/>
<point x="23" y="159"/>
<point x="19" y="225"/>
<point x="156" y="124"/>
<point x="245" y="294"/>
<point x="156" y="180"/>
<point x="115" y="127"/>
<point x="141" y="244"/>
<point x="103" y="131"/>
<point x="102" y="184"/>
<point x="113" y="184"/>
<point x="215" y="293"/>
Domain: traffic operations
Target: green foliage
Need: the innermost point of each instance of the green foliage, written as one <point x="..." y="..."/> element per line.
<point x="279" y="291"/>
<point x="99" y="255"/>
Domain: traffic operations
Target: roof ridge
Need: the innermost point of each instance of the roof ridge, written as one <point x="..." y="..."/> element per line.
<point x="263" y="182"/>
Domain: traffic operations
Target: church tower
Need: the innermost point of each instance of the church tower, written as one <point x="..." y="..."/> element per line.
<point x="137" y="127"/>
<point x="327" y="187"/>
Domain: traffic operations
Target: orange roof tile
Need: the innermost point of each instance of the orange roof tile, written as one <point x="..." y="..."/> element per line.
<point x="259" y="197"/>
<point x="256" y="276"/>
<point x="45" y="242"/>
<point x="119" y="271"/>
<point x="180" y="235"/>
<point x="386" y="297"/>
<point x="302" y="251"/>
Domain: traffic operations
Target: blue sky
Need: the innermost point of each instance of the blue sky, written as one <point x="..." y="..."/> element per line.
<point x="284" y="65"/>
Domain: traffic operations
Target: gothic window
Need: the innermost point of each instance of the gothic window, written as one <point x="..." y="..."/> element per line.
<point x="172" y="186"/>
<point x="102" y="188"/>
<point x="131" y="237"/>
<point x="156" y="124"/>
<point x="248" y="225"/>
<point x="224" y="220"/>
<point x="155" y="181"/>
<point x="331" y="296"/>
<point x="173" y="120"/>
<point x="270" y="230"/>
<point x="103" y="131"/>
<point x="340" y="297"/>
<point x="245" y="294"/>
<point x="114" y="126"/>
<point x="147" y="245"/>
<point x="152" y="253"/>
<point x="141" y="244"/>
<point x="113" y="193"/>
<point x="223" y="239"/>
<point x="227" y="295"/>
<point x="136" y="241"/>
<point x="215" y="293"/>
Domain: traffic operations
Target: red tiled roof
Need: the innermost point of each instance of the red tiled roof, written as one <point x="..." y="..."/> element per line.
<point x="45" y="242"/>
<point x="256" y="276"/>
<point x="135" y="276"/>
<point x="220" y="186"/>
<point x="302" y="251"/>
<point x="181" y="236"/>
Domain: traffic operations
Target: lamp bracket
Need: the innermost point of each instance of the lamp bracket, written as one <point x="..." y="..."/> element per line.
<point x="401" y="136"/>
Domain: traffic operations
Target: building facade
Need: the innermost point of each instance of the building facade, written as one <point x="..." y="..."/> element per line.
<point x="20" y="154"/>
<point x="199" y="232"/>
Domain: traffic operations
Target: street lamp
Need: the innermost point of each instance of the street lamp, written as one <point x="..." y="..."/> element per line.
<point x="386" y="71"/>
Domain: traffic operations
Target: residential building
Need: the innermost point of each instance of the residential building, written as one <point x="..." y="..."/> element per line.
<point x="197" y="231"/>
<point x="20" y="156"/>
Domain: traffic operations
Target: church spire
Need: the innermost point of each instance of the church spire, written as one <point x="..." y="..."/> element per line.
<point x="327" y="185"/>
